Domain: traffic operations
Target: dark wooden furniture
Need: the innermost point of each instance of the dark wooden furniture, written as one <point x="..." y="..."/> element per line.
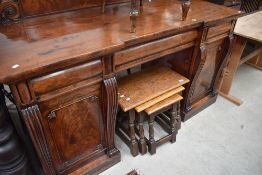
<point x="151" y="91"/>
<point x="140" y="87"/>
<point x="170" y="122"/>
<point x="61" y="59"/>
<point x="210" y="57"/>
<point x="250" y="6"/>
<point x="220" y="2"/>
<point x="134" y="172"/>
<point x="140" y="114"/>
<point x="13" y="159"/>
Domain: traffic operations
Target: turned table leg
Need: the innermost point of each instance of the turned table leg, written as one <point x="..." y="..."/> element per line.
<point x="142" y="142"/>
<point x="178" y="117"/>
<point x="173" y="127"/>
<point x="132" y="135"/>
<point x="152" y="142"/>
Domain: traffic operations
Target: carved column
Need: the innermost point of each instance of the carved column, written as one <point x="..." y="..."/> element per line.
<point x="31" y="117"/>
<point x="200" y="51"/>
<point x="13" y="160"/>
<point x="110" y="111"/>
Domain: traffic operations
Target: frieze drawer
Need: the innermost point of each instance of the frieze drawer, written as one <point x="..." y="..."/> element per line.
<point x="136" y="55"/>
<point x="66" y="77"/>
<point x="219" y="30"/>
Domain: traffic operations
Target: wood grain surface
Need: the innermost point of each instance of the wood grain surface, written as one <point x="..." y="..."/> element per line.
<point x="42" y="7"/>
<point x="158" y="99"/>
<point x="162" y="104"/>
<point x="43" y="44"/>
<point x="141" y="87"/>
<point x="61" y="70"/>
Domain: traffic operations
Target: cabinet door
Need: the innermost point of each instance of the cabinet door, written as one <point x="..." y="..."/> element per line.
<point x="210" y="64"/>
<point x="76" y="129"/>
<point x="71" y="114"/>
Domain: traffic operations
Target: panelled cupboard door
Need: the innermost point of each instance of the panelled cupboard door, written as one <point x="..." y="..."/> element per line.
<point x="210" y="64"/>
<point x="70" y="102"/>
<point x="76" y="130"/>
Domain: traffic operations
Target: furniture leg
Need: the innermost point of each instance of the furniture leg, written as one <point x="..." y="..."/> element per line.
<point x="142" y="141"/>
<point x="251" y="57"/>
<point x="231" y="98"/>
<point x="132" y="134"/>
<point x="229" y="72"/>
<point x="178" y="117"/>
<point x="259" y="62"/>
<point x="152" y="142"/>
<point x="173" y="122"/>
<point x="256" y="62"/>
<point x="234" y="59"/>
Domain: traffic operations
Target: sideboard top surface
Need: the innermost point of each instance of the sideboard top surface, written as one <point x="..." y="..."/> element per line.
<point x="39" y="45"/>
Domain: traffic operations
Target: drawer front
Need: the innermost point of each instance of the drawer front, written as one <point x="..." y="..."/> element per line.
<point x="138" y="53"/>
<point x="66" y="77"/>
<point x="219" y="30"/>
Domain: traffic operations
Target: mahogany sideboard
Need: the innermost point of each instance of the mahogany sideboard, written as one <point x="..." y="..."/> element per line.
<point x="61" y="60"/>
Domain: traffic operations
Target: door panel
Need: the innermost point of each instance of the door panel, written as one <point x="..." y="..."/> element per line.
<point x="207" y="74"/>
<point x="70" y="102"/>
<point x="75" y="129"/>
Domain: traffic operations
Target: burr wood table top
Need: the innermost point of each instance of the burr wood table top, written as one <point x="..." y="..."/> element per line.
<point x="143" y="86"/>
